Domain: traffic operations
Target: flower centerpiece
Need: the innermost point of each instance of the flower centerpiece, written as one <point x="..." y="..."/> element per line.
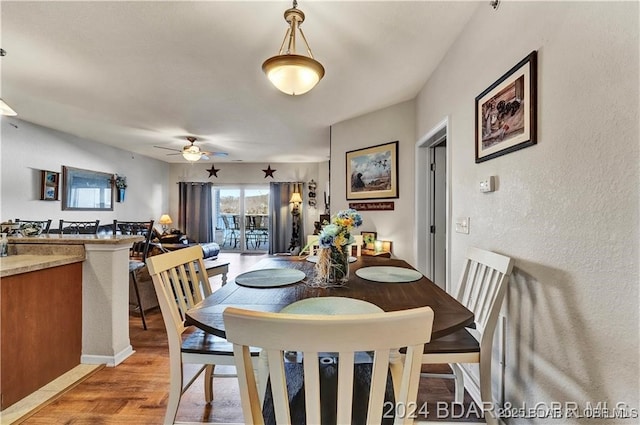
<point x="334" y="242"/>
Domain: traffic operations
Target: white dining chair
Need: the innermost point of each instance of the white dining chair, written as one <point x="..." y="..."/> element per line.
<point x="180" y="281"/>
<point x="481" y="289"/>
<point x="342" y="335"/>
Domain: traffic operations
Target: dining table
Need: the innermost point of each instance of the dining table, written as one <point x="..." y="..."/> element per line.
<point x="449" y="314"/>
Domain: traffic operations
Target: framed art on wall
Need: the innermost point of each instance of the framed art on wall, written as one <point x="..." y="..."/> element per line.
<point x="505" y="113"/>
<point x="372" y="173"/>
<point x="50" y="184"/>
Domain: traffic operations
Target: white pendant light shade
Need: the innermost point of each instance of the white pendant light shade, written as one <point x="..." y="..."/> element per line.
<point x="289" y="72"/>
<point x="6" y="109"/>
<point x="293" y="74"/>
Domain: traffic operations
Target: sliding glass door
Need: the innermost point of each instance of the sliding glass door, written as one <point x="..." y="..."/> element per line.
<point x="242" y="218"/>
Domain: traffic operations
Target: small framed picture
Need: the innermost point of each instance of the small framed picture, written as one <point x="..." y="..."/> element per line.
<point x="506" y="112"/>
<point x="50" y="185"/>
<point x="369" y="239"/>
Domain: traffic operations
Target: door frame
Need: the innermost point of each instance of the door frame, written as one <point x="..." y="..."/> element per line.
<point x="423" y="196"/>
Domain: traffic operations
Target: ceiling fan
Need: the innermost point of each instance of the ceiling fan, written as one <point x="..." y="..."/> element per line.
<point x="191" y="152"/>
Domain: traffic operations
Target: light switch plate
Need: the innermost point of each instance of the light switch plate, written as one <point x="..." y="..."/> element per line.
<point x="462" y="225"/>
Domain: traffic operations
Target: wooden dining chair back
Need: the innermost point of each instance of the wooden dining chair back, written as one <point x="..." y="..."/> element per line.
<point x="180" y="281"/>
<point x="280" y="333"/>
<point x="42" y="225"/>
<point x="137" y="254"/>
<point x="481" y="289"/>
<point x="68" y="227"/>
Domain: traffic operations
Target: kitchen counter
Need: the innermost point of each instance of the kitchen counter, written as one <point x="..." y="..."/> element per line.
<point x="16" y="264"/>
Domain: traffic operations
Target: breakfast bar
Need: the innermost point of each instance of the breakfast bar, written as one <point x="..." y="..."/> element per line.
<point x="104" y="290"/>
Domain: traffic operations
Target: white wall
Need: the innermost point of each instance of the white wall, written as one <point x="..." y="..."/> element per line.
<point x="27" y="148"/>
<point x="566" y="208"/>
<point x="387" y="125"/>
<point x="249" y="174"/>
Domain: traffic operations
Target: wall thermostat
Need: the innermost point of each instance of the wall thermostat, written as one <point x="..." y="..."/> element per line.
<point x="487" y="185"/>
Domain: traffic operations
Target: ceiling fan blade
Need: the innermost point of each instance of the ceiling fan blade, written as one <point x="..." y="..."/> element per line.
<point x="203" y="156"/>
<point x="219" y="154"/>
<point x="169" y="149"/>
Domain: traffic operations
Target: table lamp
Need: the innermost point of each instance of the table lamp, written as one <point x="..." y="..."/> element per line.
<point x="165" y="220"/>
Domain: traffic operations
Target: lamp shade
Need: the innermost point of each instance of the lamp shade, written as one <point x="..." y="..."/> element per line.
<point x="165" y="219"/>
<point x="6" y="109"/>
<point x="295" y="198"/>
<point x="293" y="74"/>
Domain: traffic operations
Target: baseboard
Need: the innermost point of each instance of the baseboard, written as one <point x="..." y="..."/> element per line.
<point x="110" y="361"/>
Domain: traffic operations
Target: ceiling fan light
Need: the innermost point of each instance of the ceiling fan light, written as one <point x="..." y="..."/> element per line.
<point x="192" y="153"/>
<point x="293" y="74"/>
<point x="6" y="109"/>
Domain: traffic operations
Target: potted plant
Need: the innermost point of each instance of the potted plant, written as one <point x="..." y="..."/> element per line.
<point x="121" y="184"/>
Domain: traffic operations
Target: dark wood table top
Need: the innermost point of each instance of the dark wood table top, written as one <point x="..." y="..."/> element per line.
<point x="449" y="314"/>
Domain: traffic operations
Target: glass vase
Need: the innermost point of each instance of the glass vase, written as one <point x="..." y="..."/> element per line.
<point x="332" y="268"/>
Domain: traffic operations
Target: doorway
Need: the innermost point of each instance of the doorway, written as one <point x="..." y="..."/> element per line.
<point x="242" y="218"/>
<point x="432" y="205"/>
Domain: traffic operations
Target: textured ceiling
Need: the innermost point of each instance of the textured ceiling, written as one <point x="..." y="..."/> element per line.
<point x="141" y="74"/>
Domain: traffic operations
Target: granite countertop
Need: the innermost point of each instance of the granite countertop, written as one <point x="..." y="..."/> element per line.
<point x="23" y="263"/>
<point x="75" y="239"/>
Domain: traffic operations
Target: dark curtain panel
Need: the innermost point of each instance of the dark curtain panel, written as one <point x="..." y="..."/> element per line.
<point x="281" y="219"/>
<point x="195" y="211"/>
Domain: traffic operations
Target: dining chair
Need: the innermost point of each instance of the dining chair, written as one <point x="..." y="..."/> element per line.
<point x="137" y="253"/>
<point x="180" y="281"/>
<point x="43" y="225"/>
<point x="79" y="227"/>
<point x="481" y="289"/>
<point x="343" y="335"/>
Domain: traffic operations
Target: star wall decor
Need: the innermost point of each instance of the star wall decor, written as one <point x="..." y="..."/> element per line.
<point x="213" y="171"/>
<point x="269" y="172"/>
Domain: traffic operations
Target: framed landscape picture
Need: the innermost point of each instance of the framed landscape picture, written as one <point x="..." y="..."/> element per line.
<point x="372" y="173"/>
<point x="506" y="112"/>
<point x="50" y="185"/>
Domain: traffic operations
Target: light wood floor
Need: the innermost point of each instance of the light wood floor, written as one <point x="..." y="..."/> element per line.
<point x="135" y="392"/>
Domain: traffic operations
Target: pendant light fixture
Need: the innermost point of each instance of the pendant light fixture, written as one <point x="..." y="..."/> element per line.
<point x="4" y="108"/>
<point x="290" y="72"/>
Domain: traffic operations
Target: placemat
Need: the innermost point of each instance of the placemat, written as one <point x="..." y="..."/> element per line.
<point x="314" y="259"/>
<point x="270" y="278"/>
<point x="388" y="274"/>
<point x="331" y="306"/>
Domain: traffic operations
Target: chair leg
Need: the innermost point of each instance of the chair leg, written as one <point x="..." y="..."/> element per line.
<point x="485" y="388"/>
<point x="208" y="383"/>
<point x="135" y="288"/>
<point x="459" y="382"/>
<point x="175" y="388"/>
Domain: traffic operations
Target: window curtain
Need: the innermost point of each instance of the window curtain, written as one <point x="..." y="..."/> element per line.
<point x="195" y="211"/>
<point x="281" y="219"/>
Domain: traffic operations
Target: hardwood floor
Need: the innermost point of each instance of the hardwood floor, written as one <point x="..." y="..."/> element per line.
<point x="135" y="392"/>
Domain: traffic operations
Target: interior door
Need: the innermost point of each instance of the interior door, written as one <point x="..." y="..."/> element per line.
<point x="438" y="225"/>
